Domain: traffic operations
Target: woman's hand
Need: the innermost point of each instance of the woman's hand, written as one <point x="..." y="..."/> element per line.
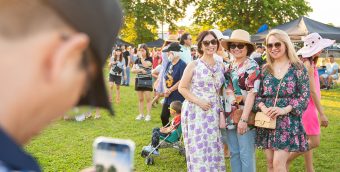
<point x="324" y="120"/>
<point x="242" y="127"/>
<point x="273" y="112"/>
<point x="265" y="110"/>
<point x="222" y="120"/>
<point x="167" y="92"/>
<point x="205" y="105"/>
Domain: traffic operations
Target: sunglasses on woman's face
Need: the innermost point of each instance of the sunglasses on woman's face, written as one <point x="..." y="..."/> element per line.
<point x="276" y="45"/>
<point x="239" y="46"/>
<point x="212" y="42"/>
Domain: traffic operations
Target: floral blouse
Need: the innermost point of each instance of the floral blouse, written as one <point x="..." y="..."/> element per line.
<point x="240" y="79"/>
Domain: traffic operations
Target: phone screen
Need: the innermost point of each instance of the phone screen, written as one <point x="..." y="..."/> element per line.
<point x="112" y="156"/>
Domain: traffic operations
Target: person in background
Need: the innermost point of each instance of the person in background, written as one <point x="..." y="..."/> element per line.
<point x="153" y="52"/>
<point x="117" y="70"/>
<point x="194" y="55"/>
<point x="165" y="62"/>
<point x="332" y="73"/>
<point x="63" y="46"/>
<point x="313" y="46"/>
<point x="155" y="74"/>
<point x="201" y="86"/>
<point x="259" y="55"/>
<point x="221" y="52"/>
<point x="127" y="58"/>
<point x="142" y="68"/>
<point x="175" y="111"/>
<point x="134" y="56"/>
<point x="186" y="42"/>
<point x="283" y="75"/>
<point x="173" y="75"/>
<point x="156" y="58"/>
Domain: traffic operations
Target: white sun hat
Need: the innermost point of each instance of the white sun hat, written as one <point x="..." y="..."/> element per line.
<point x="314" y="43"/>
<point x="219" y="34"/>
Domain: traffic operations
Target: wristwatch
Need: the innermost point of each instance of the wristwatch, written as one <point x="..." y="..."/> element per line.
<point x="245" y="121"/>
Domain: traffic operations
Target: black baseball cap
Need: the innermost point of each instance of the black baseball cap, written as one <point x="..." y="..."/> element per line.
<point x="173" y="47"/>
<point x="101" y="20"/>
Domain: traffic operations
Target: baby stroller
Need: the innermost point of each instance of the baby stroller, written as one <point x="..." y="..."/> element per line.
<point x="172" y="140"/>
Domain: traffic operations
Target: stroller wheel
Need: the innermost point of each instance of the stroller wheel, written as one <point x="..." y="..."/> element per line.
<point x="149" y="161"/>
<point x="144" y="153"/>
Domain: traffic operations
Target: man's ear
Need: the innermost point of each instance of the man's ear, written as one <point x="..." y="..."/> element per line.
<point x="68" y="52"/>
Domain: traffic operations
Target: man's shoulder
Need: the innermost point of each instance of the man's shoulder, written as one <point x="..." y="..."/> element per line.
<point x="13" y="157"/>
<point x="182" y="62"/>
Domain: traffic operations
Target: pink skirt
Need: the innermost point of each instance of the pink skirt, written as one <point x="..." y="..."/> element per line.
<point x="310" y="119"/>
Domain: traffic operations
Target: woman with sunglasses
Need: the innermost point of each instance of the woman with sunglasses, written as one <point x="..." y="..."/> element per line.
<point x="201" y="85"/>
<point x="314" y="44"/>
<point x="241" y="87"/>
<point x="285" y="75"/>
<point x="142" y="68"/>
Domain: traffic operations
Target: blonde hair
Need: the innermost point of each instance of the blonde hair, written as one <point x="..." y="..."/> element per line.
<point x="290" y="51"/>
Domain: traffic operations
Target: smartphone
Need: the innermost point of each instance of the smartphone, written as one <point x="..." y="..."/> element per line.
<point x="113" y="155"/>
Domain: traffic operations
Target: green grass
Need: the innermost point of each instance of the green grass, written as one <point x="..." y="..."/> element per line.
<point x="67" y="145"/>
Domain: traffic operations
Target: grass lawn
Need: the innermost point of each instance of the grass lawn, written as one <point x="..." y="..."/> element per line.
<point x="67" y="145"/>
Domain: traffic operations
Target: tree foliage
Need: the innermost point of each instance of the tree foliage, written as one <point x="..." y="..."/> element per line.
<point x="248" y="14"/>
<point x="142" y="17"/>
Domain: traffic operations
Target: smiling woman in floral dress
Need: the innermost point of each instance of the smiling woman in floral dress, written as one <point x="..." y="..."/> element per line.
<point x="289" y="134"/>
<point x="200" y="85"/>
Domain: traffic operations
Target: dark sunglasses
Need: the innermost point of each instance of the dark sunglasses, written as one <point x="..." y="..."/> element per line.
<point x="212" y="42"/>
<point x="239" y="46"/>
<point x="276" y="45"/>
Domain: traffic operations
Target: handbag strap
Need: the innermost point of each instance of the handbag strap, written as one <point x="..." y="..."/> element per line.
<point x="278" y="90"/>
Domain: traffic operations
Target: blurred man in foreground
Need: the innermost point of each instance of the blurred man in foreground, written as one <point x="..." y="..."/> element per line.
<point x="52" y="52"/>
